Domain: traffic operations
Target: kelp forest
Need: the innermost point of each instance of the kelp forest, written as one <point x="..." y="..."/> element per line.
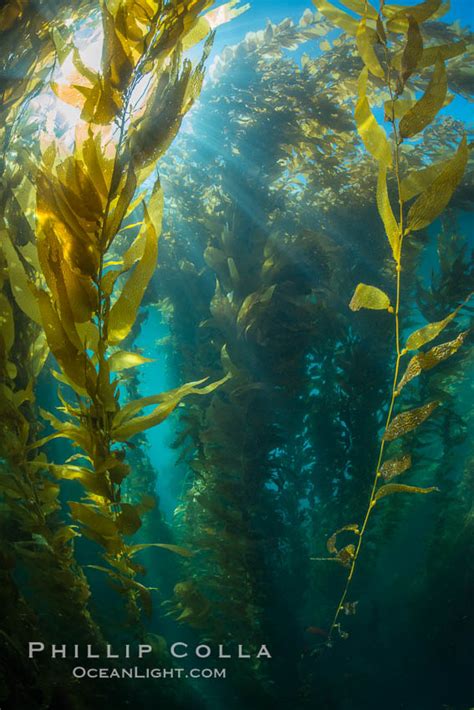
<point x="236" y="287"/>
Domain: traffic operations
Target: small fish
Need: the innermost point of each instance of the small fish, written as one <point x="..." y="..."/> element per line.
<point x="316" y="630"/>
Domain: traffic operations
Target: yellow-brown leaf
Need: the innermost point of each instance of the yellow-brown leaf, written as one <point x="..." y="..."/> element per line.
<point x="409" y="420"/>
<point x="369" y="297"/>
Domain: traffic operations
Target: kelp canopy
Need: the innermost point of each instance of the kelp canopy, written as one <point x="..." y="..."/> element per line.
<point x="297" y="195"/>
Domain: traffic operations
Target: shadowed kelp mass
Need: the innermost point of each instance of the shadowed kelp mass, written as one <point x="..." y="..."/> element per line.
<point x="295" y="213"/>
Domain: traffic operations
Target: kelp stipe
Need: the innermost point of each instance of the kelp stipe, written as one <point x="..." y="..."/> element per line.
<point x="392" y="62"/>
<point x="84" y="302"/>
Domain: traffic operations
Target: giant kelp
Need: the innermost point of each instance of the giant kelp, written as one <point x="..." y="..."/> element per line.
<point x="432" y="187"/>
<point x="255" y="273"/>
<point x="72" y="289"/>
<point x="290" y="175"/>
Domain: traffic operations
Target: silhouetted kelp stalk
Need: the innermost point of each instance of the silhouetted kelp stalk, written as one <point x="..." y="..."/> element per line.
<point x="376" y="39"/>
<point x="85" y="305"/>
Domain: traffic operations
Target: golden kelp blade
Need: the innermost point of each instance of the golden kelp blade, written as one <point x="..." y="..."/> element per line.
<point x="131" y="408"/>
<point x="361" y="7"/>
<point x="91" y="518"/>
<point x="418" y="180"/>
<point x="259" y="298"/>
<point x="125" y="431"/>
<point x="122" y="360"/>
<point x="337" y="17"/>
<point x="331" y="543"/>
<point x="20" y="283"/>
<point x="413" y="50"/>
<point x="397" y="108"/>
<point x="442" y="51"/>
<point x="436" y="197"/>
<point x="124" y="311"/>
<point x="392" y="228"/>
<point x="425" y="361"/>
<point x="74" y="362"/>
<point x="369" y="297"/>
<point x="373" y="136"/>
<point x="429" y="332"/>
<point x="366" y="38"/>
<point x="93" y="482"/>
<point x="400" y="488"/>
<point x="398" y="15"/>
<point x="409" y="420"/>
<point x="394" y="467"/>
<point x="425" y="110"/>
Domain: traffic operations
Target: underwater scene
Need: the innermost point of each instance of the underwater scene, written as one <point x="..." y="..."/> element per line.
<point x="236" y="373"/>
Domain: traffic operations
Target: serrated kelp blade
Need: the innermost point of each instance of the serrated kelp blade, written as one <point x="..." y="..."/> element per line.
<point x="371" y="297"/>
<point x="409" y="420"/>
<point x="425" y="110"/>
<point x="428" y="360"/>
<point x="392" y="488"/>
<point x="394" y="467"/>
<point x="437" y="195"/>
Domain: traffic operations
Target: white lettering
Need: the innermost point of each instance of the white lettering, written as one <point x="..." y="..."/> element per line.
<point x="89" y="652"/>
<point x="264" y="652"/>
<point x="143" y="648"/>
<point x="34" y="647"/>
<point x="205" y="653"/>
<point x="109" y="652"/>
<point x="222" y="654"/>
<point x="58" y="651"/>
<point x="242" y="654"/>
<point x="179" y="655"/>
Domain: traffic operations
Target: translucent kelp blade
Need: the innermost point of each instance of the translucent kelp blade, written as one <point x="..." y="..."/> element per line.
<point x="409" y="420"/>
<point x="392" y="228"/>
<point x="74" y="363"/>
<point x="361" y="8"/>
<point x="337" y="17"/>
<point x="123" y="360"/>
<point x="394" y="467"/>
<point x="425" y="361"/>
<point x="20" y="283"/>
<point x="90" y="517"/>
<point x="366" y="39"/>
<point x="131" y="408"/>
<point x="372" y="134"/>
<point x="369" y="297"/>
<point x="134" y="426"/>
<point x="398" y="16"/>
<point x="400" y="488"/>
<point x="425" y="110"/>
<point x="429" y="332"/>
<point x="436" y="197"/>
<point x="92" y="482"/>
<point x="124" y="311"/>
<point x="418" y="180"/>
